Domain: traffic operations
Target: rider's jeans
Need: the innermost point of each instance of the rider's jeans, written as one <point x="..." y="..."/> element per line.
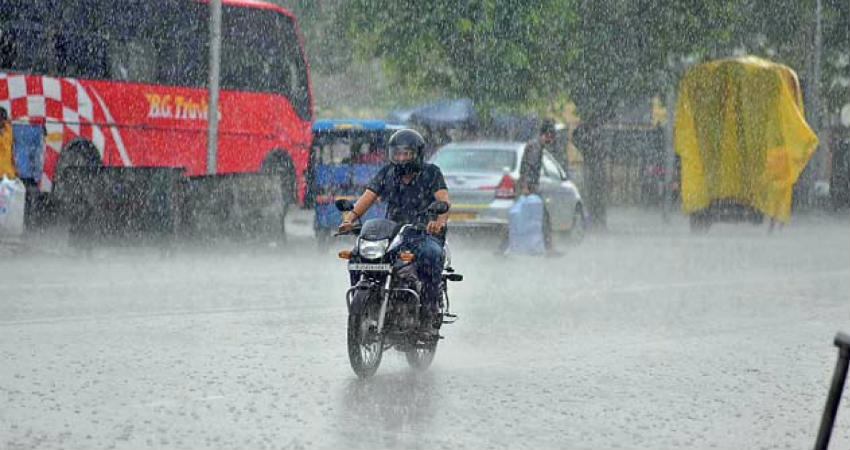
<point x="428" y="252"/>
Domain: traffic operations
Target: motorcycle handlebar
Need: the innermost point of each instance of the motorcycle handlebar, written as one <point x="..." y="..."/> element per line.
<point x="418" y="226"/>
<point x="355" y="229"/>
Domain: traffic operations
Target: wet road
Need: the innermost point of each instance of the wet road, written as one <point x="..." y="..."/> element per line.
<point x="642" y="338"/>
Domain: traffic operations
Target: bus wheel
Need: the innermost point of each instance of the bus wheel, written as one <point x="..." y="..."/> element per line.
<point x="69" y="186"/>
<point x="78" y="152"/>
<point x="278" y="161"/>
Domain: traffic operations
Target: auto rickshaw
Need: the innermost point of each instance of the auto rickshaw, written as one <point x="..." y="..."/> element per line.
<point x="345" y="155"/>
<point x="743" y="140"/>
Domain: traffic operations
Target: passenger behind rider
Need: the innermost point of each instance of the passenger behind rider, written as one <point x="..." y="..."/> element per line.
<point x="408" y="185"/>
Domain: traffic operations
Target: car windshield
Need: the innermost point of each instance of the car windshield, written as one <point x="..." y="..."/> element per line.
<point x="475" y="160"/>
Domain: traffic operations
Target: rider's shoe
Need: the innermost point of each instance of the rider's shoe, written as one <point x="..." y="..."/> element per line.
<point x="430" y="333"/>
<point x="429" y="327"/>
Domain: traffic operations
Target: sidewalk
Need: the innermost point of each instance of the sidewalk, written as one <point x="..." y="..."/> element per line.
<point x="637" y="220"/>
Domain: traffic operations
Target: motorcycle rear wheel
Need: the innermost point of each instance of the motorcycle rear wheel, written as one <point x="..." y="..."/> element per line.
<point x="365" y="348"/>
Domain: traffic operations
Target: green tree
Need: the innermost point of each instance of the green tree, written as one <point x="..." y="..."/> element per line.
<point x="598" y="53"/>
<point x="630" y="50"/>
<point x="325" y="42"/>
<point x="783" y="30"/>
<point x="498" y="52"/>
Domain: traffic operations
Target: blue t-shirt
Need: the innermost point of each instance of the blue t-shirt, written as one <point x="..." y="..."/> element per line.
<point x="407" y="203"/>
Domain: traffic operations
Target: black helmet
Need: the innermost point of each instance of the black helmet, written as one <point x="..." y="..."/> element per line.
<point x="401" y="143"/>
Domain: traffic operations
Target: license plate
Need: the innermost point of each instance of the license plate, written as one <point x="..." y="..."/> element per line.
<point x="366" y="267"/>
<point x="460" y="217"/>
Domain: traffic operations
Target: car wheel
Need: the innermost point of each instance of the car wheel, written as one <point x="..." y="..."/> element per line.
<point x="577" y="230"/>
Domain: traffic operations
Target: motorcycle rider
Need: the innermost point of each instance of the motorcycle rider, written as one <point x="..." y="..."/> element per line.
<point x="408" y="185"/>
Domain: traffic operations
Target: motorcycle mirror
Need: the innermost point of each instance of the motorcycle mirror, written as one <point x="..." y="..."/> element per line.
<point x="344" y="205"/>
<point x="438" y="207"/>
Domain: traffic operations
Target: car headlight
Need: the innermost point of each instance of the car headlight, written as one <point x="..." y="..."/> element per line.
<point x="373" y="249"/>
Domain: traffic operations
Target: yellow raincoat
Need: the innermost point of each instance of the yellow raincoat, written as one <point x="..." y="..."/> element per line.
<point x="741" y="135"/>
<point x="7" y="157"/>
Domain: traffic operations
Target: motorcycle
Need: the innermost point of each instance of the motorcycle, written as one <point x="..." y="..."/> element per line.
<point x="384" y="303"/>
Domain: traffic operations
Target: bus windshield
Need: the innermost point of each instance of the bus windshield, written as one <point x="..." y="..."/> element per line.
<point x="163" y="42"/>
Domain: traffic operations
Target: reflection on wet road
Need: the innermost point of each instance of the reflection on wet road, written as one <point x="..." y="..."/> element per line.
<point x="635" y="339"/>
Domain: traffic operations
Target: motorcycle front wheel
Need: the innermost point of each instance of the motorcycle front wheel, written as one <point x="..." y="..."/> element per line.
<point x="421" y="358"/>
<point x="365" y="345"/>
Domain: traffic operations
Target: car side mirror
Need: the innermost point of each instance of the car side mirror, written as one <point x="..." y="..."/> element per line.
<point x="344" y="205"/>
<point x="438" y="207"/>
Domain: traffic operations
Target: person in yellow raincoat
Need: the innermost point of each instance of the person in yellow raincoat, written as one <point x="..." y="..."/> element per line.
<point x="740" y="132"/>
<point x="7" y="156"/>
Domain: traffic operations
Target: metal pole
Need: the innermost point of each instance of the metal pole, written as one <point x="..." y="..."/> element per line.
<point x="816" y="83"/>
<point x="215" y="61"/>
<point x="803" y="189"/>
<point x="670" y="103"/>
<point x="842" y="341"/>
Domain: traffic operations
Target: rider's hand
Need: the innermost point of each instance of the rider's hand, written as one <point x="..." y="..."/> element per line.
<point x="435" y="227"/>
<point x="345" y="226"/>
<point x="347" y="222"/>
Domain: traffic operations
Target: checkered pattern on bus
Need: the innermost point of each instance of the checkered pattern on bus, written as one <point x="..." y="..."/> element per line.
<point x="65" y="107"/>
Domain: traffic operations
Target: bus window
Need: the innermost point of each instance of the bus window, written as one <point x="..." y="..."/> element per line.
<point x="81" y="56"/>
<point x="296" y="64"/>
<point x="26" y="36"/>
<point x="23" y="47"/>
<point x="133" y="61"/>
<point x="163" y="42"/>
<point x="267" y="62"/>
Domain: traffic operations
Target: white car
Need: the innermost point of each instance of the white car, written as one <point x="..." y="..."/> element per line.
<point x="482" y="176"/>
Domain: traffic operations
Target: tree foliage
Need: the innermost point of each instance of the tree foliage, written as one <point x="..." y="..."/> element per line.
<point x="495" y="51"/>
<point x="597" y="53"/>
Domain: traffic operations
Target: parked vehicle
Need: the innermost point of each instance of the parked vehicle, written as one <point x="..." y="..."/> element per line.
<point x="384" y="302"/>
<point x="345" y="155"/>
<point x="124" y="84"/>
<point x="482" y="177"/>
<point x="743" y="140"/>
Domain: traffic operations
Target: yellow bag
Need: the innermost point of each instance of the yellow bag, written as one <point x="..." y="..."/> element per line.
<point x="7" y="155"/>
<point x="741" y="134"/>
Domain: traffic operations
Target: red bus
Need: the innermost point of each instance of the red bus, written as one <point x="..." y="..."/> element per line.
<point x="123" y="83"/>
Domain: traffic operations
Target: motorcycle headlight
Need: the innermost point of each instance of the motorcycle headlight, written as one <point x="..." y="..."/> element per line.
<point x="373" y="249"/>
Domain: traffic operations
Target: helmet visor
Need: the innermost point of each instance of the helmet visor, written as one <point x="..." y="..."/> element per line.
<point x="402" y="153"/>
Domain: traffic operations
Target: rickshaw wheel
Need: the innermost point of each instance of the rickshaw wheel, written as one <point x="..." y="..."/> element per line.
<point x="700" y="222"/>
